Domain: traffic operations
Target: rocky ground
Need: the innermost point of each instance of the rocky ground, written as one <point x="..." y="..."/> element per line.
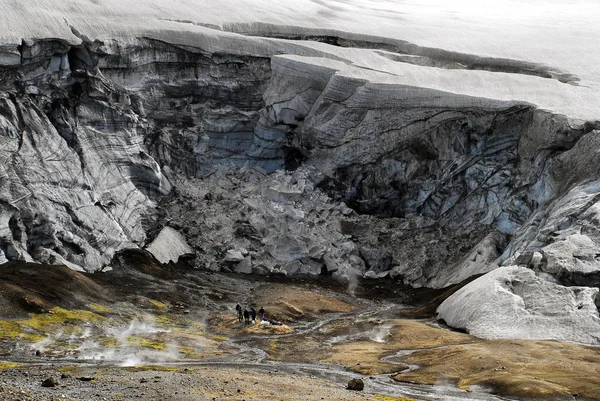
<point x="145" y="331"/>
<point x="172" y="383"/>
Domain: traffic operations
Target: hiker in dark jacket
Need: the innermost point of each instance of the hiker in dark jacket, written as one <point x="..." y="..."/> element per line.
<point x="253" y="313"/>
<point x="261" y="312"/>
<point x="238" y="308"/>
<point x="246" y="316"/>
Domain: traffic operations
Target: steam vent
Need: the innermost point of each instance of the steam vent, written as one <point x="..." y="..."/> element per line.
<point x="299" y="200"/>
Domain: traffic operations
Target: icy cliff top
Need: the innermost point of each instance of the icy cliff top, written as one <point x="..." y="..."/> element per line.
<point x="539" y="51"/>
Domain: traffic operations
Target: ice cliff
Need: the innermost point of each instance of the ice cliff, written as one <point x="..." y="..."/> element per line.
<point x="428" y="143"/>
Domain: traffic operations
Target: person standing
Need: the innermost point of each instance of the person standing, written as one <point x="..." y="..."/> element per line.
<point x="238" y="308"/>
<point x="261" y="312"/>
<point x="253" y="313"/>
<point x="246" y="316"/>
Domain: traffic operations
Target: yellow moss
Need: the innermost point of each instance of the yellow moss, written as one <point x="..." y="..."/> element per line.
<point x="162" y="307"/>
<point x="32" y="338"/>
<point x="157" y="345"/>
<point x="164" y="321"/>
<point x="220" y="338"/>
<point x="151" y="367"/>
<point x="58" y="316"/>
<point x="9" y="365"/>
<point x="39" y="324"/>
<point x="99" y="308"/>
<point x="133" y="340"/>
<point x="9" y="329"/>
<point x="190" y="352"/>
<point x="464" y="385"/>
<point x="72" y="330"/>
<point x="142" y="342"/>
<point x="388" y="398"/>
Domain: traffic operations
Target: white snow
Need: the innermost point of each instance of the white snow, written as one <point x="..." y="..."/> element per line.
<point x="562" y="35"/>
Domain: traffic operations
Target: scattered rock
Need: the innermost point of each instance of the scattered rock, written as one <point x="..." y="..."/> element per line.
<point x="356" y="385"/>
<point x="234" y="256"/>
<point x="50" y="382"/>
<point x="245" y="266"/>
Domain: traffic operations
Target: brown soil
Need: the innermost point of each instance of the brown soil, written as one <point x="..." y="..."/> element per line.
<point x="512" y="367"/>
<point x="291" y="303"/>
<point x="365" y="357"/>
<point x="28" y="287"/>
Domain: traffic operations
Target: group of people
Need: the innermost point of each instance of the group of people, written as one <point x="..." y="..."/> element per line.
<point x="249" y="315"/>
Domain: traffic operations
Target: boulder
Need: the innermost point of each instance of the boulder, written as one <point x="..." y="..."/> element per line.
<point x="50" y="382"/>
<point x="371" y="275"/>
<point x="331" y="265"/>
<point x="245" y="266"/>
<point x="281" y="192"/>
<point x="233" y="256"/>
<point x="376" y="260"/>
<point x="572" y="260"/>
<point x="287" y="248"/>
<point x="356" y="385"/>
<point x="512" y="302"/>
<point x="169" y="246"/>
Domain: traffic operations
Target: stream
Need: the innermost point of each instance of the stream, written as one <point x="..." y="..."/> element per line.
<point x="252" y="357"/>
<point x="243" y="352"/>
